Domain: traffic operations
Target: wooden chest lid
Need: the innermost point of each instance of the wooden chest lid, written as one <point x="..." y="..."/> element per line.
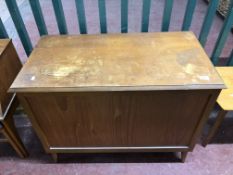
<point x="117" y="62"/>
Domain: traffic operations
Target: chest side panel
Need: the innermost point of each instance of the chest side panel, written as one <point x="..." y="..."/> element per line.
<point x="92" y="119"/>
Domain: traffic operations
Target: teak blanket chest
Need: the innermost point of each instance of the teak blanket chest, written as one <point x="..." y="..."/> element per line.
<point x="118" y="92"/>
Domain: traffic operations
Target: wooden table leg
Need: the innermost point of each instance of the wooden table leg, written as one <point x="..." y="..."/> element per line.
<point x="11" y="134"/>
<point x="55" y="157"/>
<point x="10" y="131"/>
<point x="214" y="128"/>
<point x="183" y="156"/>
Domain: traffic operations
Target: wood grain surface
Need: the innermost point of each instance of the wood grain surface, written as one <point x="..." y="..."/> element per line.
<point x="10" y="65"/>
<point x="118" y="119"/>
<point x="117" y="62"/>
<point x="3" y="44"/>
<point x="225" y="99"/>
